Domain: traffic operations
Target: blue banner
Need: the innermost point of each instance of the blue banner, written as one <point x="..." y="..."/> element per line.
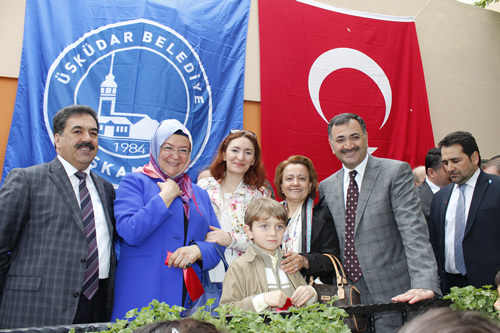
<point x="135" y="63"/>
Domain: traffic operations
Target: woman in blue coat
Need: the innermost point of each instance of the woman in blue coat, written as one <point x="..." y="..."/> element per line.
<point x="158" y="211"/>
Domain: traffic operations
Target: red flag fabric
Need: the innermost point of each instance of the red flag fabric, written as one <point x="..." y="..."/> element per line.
<point x="318" y="61"/>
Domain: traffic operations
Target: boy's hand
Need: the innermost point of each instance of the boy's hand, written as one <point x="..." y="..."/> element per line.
<point x="302" y="294"/>
<point x="275" y="299"/>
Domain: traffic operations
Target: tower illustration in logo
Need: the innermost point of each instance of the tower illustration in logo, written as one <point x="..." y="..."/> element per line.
<point x="118" y="124"/>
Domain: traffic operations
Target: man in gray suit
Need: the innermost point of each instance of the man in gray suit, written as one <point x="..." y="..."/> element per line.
<point x="384" y="239"/>
<point x="44" y="247"/>
<point x="435" y="179"/>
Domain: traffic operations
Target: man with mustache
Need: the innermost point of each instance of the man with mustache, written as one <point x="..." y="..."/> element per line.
<point x="56" y="233"/>
<point x="382" y="231"/>
<point x="465" y="217"/>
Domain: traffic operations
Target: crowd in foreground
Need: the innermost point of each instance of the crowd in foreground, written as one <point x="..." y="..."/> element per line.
<point x="74" y="251"/>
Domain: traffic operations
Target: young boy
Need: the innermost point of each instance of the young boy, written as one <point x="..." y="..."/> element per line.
<point x="255" y="281"/>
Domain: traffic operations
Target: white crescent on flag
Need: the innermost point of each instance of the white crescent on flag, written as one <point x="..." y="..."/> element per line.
<point x="339" y="58"/>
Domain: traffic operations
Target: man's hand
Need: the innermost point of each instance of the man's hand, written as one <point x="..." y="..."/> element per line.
<point x="414" y="295"/>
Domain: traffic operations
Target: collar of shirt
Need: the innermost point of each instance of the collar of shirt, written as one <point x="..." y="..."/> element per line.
<point x="274" y="259"/>
<point x="359" y="176"/>
<point x="434" y="187"/>
<point x="70" y="170"/>
<point x="469" y="189"/>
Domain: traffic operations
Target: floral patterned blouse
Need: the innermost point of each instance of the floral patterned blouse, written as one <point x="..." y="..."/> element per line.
<point x="230" y="208"/>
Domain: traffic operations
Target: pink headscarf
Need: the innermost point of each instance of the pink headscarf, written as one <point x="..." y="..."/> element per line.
<point x="164" y="131"/>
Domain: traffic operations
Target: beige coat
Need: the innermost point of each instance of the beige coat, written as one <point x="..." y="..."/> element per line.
<point x="246" y="278"/>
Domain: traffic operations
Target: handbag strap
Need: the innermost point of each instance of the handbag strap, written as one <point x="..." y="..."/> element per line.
<point x="222" y="257"/>
<point x="341" y="279"/>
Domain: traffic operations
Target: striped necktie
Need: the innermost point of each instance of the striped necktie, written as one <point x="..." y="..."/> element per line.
<point x="91" y="279"/>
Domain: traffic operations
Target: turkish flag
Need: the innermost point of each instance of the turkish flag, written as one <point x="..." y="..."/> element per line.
<point x="318" y="61"/>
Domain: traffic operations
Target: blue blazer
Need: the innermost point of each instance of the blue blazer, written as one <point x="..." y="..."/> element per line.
<point x="481" y="242"/>
<point x="149" y="231"/>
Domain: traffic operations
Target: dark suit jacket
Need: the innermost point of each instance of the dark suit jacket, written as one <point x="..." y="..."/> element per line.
<point x="43" y="246"/>
<point x="324" y="239"/>
<point x="481" y="242"/>
<point x="425" y="195"/>
<point x="390" y="233"/>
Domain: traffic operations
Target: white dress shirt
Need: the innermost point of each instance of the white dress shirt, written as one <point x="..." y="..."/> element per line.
<point x="102" y="233"/>
<point x="449" y="238"/>
<point x="434" y="187"/>
<point x="360" y="169"/>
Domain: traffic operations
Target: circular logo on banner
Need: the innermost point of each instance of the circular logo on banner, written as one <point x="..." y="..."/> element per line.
<point x="134" y="74"/>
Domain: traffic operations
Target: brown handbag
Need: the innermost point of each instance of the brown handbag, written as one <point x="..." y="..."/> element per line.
<point x="347" y="295"/>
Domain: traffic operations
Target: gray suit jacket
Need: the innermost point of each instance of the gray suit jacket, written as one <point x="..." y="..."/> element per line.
<point x="43" y="246"/>
<point x="391" y="236"/>
<point x="425" y="195"/>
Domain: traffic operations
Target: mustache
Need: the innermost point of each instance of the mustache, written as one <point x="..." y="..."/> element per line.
<point x="345" y="151"/>
<point x="85" y="144"/>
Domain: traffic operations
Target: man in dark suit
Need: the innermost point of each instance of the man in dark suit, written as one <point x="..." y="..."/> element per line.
<point x="44" y="246"/>
<point x="384" y="238"/>
<point x="435" y="179"/>
<point x="465" y="217"/>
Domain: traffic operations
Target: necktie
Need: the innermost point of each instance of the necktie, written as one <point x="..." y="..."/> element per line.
<point x="91" y="278"/>
<point x="460" y="222"/>
<point x="350" y="256"/>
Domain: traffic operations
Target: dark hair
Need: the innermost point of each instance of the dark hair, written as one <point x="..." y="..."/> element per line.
<point x="465" y="139"/>
<point x="344" y="118"/>
<point x="264" y="208"/>
<point x="186" y="325"/>
<point x="497" y="279"/>
<point x="296" y="159"/>
<point x="496" y="157"/>
<point x="255" y="176"/>
<point x="446" y="320"/>
<point x="62" y="116"/>
<point x="433" y="159"/>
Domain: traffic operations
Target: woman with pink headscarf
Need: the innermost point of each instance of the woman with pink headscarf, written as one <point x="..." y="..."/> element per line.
<point x="158" y="211"/>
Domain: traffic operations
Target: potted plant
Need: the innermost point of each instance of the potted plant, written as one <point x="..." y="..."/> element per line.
<point x="310" y="318"/>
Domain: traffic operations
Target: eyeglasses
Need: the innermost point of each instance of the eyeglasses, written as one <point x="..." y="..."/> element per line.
<point x="180" y="151"/>
<point x="235" y="130"/>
